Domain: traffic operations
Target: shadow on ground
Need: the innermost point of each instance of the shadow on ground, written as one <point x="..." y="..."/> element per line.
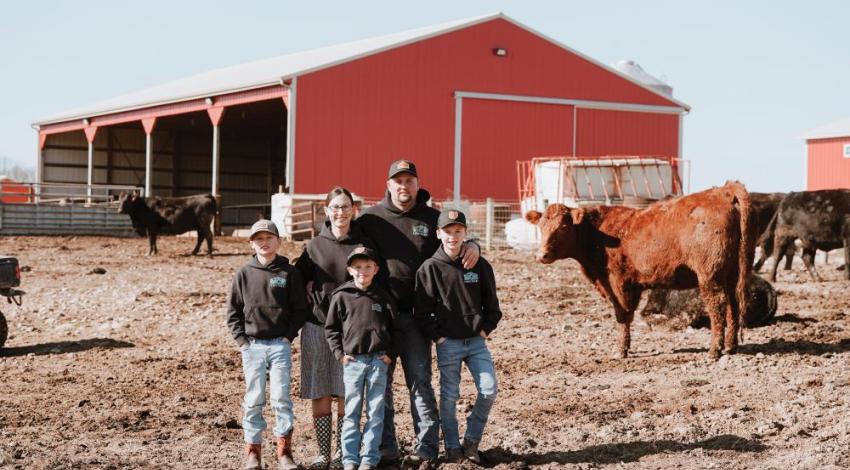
<point x="781" y="346"/>
<point x="623" y="452"/>
<point x="64" y="347"/>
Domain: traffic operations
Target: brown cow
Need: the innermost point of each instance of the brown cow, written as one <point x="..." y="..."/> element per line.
<point x="702" y="240"/>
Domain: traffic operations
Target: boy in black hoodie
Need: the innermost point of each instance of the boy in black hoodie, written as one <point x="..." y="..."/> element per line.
<point x="458" y="308"/>
<point x="266" y="308"/>
<point x="358" y="328"/>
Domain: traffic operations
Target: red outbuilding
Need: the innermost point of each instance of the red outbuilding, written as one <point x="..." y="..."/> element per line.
<point x="828" y="156"/>
<point x="464" y="100"/>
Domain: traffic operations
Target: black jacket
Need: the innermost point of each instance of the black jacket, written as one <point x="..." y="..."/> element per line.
<point x="266" y="301"/>
<point x="360" y="322"/>
<point x="404" y="240"/>
<point x="324" y="263"/>
<point x="453" y="302"/>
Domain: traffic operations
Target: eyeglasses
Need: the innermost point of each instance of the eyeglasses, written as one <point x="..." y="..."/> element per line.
<point x="336" y="208"/>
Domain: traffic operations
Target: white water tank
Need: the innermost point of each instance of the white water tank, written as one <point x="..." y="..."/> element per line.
<point x="632" y="69"/>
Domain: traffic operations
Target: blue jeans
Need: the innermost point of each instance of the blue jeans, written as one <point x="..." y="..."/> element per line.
<point x="415" y="354"/>
<point x="451" y="353"/>
<point x="365" y="378"/>
<point x="274" y="355"/>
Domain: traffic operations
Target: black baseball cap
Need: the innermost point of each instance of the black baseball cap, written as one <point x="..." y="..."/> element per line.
<point x="402" y="166"/>
<point x="362" y="252"/>
<point x="451" y="217"/>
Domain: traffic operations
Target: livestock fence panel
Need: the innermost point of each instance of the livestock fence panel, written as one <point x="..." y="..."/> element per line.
<point x="48" y="219"/>
<point x="62" y="209"/>
<point x="494" y="224"/>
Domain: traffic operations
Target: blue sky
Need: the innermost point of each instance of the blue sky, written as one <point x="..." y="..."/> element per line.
<point x="757" y="74"/>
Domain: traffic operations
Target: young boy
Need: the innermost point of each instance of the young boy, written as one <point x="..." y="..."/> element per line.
<point x="358" y="329"/>
<point x="266" y="308"/>
<point x="458" y="308"/>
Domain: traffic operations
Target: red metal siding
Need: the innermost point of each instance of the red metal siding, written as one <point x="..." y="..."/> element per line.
<point x="498" y="133"/>
<point x="354" y="118"/>
<point x="601" y="132"/>
<point x="827" y="167"/>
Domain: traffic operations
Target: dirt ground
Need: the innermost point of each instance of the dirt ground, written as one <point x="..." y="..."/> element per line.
<point x="134" y="368"/>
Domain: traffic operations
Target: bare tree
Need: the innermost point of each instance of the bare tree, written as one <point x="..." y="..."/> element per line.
<point x="12" y="169"/>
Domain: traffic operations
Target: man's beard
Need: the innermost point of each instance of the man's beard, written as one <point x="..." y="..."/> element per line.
<point x="405" y="197"/>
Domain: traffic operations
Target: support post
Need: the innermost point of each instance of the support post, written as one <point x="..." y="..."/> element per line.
<point x="148" y="125"/>
<point x="39" y="169"/>
<point x="289" y="101"/>
<point x="488" y="225"/>
<point x="216" y="159"/>
<point x="90" y="132"/>
<point x="216" y="114"/>
<point x="458" y="129"/>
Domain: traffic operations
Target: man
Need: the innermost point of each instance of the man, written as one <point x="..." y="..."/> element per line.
<point x="403" y="229"/>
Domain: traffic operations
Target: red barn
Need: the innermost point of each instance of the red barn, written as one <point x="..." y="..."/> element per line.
<point x="464" y="100"/>
<point x="828" y="156"/>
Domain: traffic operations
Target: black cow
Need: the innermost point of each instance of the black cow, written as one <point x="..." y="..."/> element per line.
<point x="819" y="219"/>
<point x="170" y="215"/>
<point x="762" y="208"/>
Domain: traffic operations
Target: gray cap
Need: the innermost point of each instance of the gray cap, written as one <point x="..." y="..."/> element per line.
<point x="263" y="225"/>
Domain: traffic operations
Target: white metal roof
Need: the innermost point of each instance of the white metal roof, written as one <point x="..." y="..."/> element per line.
<point x="834" y="129"/>
<point x="271" y="71"/>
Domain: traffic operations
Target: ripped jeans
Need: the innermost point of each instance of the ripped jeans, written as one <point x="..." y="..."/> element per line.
<point x="451" y="354"/>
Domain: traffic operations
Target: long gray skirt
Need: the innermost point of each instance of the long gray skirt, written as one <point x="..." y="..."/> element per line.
<point x="321" y="373"/>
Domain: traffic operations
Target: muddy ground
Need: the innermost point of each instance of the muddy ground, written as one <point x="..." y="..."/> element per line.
<point x="134" y="368"/>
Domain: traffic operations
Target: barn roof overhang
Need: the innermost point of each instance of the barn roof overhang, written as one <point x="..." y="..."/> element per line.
<point x="271" y="76"/>
<point x="832" y="130"/>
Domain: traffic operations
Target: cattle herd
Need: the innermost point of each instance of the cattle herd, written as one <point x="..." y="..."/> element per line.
<point x="705" y="241"/>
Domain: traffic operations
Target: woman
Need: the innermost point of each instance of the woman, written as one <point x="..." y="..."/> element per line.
<point x="323" y="266"/>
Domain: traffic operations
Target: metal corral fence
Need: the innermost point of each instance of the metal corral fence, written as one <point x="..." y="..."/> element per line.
<point x="495" y="224"/>
<point x="487" y="222"/>
<point x="62" y="209"/>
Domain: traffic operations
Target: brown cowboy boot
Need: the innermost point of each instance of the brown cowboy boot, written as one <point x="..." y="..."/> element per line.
<point x="253" y="457"/>
<point x="284" y="453"/>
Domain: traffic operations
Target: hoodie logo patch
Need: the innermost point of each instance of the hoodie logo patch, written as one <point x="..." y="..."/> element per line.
<point x="420" y="229"/>
<point x="470" y="277"/>
<point x="277" y="282"/>
<point x="377" y="308"/>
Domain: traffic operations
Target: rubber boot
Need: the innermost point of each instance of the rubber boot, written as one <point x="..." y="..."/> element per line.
<point x="322" y="425"/>
<point x="336" y="464"/>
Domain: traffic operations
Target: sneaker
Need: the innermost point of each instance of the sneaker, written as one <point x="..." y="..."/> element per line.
<point x="349" y="466"/>
<point x="365" y="466"/>
<point x="454" y="455"/>
<point x="470" y="451"/>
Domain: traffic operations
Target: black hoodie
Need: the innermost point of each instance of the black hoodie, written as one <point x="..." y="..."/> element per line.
<point x="324" y="263"/>
<point x="360" y="321"/>
<point x="404" y="240"/>
<point x="454" y="302"/>
<point x="266" y="301"/>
